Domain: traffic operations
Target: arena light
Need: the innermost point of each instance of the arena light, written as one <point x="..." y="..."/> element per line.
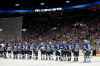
<point x="51" y="9"/>
<point x="37" y="10"/>
<point x="1" y="29"/>
<point x="67" y="1"/>
<point x="42" y="3"/>
<point x="54" y="28"/>
<point x="47" y="10"/>
<point x="59" y="8"/>
<point x="17" y="4"/>
<point x="24" y="29"/>
<point x="80" y="6"/>
<point x="54" y="9"/>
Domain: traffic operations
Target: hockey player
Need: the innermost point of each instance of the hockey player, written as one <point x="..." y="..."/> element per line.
<point x="23" y="51"/>
<point x="34" y="48"/>
<point x="48" y="49"/>
<point x="3" y="50"/>
<point x="36" y="53"/>
<point x="19" y="50"/>
<point x="49" y="52"/>
<point x="15" y="52"/>
<point x="9" y="50"/>
<point x="75" y="50"/>
<point x="62" y="53"/>
<point x="68" y="51"/>
<point x="43" y="51"/>
<point x="87" y="51"/>
<point x="28" y="52"/>
<point x="57" y="52"/>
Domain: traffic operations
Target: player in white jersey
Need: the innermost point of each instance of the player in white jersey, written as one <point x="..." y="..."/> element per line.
<point x="9" y="50"/>
<point x="3" y="50"/>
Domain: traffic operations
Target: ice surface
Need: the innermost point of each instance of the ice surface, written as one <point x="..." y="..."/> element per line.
<point x="27" y="62"/>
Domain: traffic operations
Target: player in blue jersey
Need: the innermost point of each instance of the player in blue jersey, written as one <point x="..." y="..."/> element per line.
<point x="87" y="48"/>
<point x="57" y="51"/>
<point x="43" y="51"/>
<point x="62" y="51"/>
<point x="35" y="50"/>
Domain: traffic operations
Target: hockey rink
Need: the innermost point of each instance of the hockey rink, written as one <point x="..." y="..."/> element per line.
<point x="28" y="62"/>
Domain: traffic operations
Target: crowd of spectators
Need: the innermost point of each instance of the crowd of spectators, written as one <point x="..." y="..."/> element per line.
<point x="78" y="31"/>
